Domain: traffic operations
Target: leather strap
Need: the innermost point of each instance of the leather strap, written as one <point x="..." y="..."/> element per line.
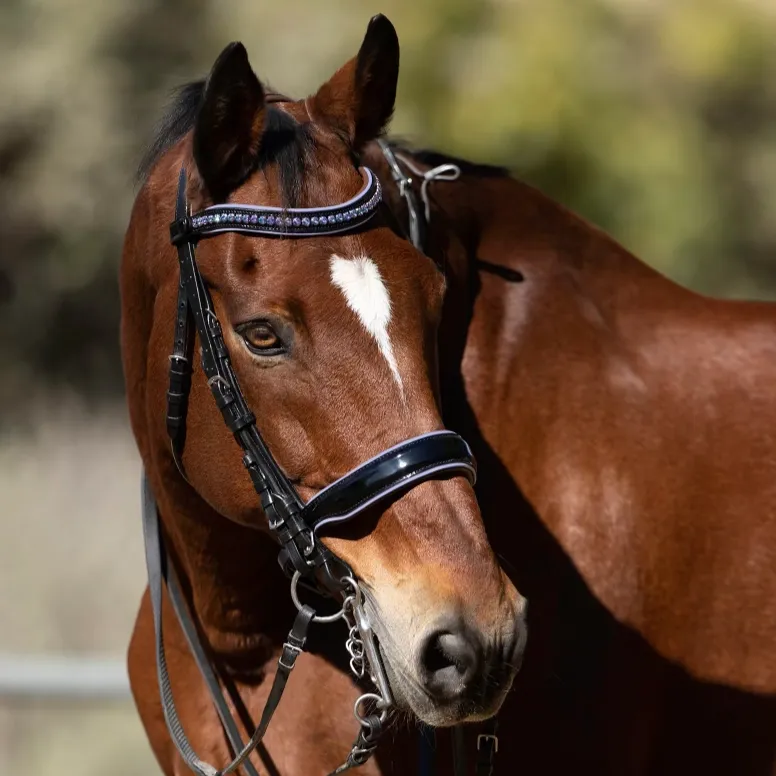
<point x="158" y="575"/>
<point x="180" y="380"/>
<point x="424" y="457"/>
<point x="279" y="499"/>
<point x="459" y="751"/>
<point x="208" y="674"/>
<point x="426" y="750"/>
<point x="417" y="226"/>
<point x="257" y="220"/>
<point x="487" y="746"/>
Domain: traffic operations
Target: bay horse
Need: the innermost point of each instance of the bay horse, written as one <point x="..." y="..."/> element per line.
<point x="309" y="308"/>
<point x="626" y="473"/>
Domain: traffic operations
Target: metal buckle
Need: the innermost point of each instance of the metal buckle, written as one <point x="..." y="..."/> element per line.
<point x="487" y="737"/>
<point x="296" y="650"/>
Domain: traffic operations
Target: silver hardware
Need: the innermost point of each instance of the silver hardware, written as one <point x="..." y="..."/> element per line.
<point x="487" y="737"/>
<point x="442" y="172"/>
<point x="375" y="664"/>
<point x="318" y="618"/>
<point x="297" y="650"/>
<point x="220" y="380"/>
<point x="308" y="550"/>
<point x="369" y="696"/>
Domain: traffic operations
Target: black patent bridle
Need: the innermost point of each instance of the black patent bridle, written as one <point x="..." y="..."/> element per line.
<point x="291" y="521"/>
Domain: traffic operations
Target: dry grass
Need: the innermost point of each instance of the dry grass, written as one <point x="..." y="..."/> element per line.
<point x="71" y="575"/>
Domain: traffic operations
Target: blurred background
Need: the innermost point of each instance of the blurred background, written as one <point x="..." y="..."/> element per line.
<point x="655" y="119"/>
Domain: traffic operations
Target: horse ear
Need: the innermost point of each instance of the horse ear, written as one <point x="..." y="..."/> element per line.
<point x="358" y="100"/>
<point x="230" y="123"/>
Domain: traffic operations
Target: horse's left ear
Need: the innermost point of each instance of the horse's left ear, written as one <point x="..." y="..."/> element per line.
<point x="358" y="99"/>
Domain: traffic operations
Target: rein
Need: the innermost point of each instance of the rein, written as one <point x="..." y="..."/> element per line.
<point x="293" y="523"/>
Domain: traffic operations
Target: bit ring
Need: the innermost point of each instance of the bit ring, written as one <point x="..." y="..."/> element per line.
<point x="322" y="618"/>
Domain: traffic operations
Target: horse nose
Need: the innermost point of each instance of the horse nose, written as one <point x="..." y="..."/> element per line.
<point x="451" y="658"/>
<point x="460" y="663"/>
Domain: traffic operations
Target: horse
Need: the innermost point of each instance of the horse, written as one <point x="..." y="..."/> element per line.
<point x="310" y="309"/>
<point x="621" y="426"/>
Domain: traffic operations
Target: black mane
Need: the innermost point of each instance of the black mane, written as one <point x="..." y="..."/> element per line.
<point x="174" y="124"/>
<point x="285" y="142"/>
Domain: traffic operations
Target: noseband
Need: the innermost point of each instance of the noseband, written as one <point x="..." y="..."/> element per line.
<point x="292" y="522"/>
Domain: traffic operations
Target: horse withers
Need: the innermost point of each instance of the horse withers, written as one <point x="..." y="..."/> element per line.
<point x="327" y="331"/>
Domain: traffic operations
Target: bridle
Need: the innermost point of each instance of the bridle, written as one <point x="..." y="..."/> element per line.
<point x="417" y="222"/>
<point x="293" y="523"/>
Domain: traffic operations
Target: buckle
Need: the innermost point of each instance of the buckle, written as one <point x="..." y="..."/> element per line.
<point x="487" y="737"/>
<point x="296" y="652"/>
<point x="180" y="230"/>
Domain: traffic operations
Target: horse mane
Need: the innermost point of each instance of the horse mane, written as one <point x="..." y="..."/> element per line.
<point x="285" y="141"/>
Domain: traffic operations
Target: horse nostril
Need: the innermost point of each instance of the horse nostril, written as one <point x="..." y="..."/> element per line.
<point x="450" y="659"/>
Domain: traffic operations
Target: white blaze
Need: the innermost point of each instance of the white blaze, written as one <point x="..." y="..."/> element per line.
<point x="366" y="295"/>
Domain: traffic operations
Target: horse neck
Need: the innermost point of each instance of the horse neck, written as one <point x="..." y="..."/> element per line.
<point x="523" y="349"/>
<point x="503" y="221"/>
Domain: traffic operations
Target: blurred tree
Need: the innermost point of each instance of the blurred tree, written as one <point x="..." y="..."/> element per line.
<point x="655" y="119"/>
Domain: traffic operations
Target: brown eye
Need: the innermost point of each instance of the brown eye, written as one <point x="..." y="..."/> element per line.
<point x="261" y="338"/>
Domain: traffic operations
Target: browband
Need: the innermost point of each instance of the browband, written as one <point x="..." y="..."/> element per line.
<point x="292" y="221"/>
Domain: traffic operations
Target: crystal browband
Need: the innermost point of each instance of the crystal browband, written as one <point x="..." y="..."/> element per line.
<point x="291" y="222"/>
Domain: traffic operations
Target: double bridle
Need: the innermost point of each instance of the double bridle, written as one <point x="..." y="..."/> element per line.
<point x="292" y="522"/>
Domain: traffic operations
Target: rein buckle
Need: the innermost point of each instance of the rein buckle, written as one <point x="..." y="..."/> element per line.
<point x="294" y="653"/>
<point x="487" y="737"/>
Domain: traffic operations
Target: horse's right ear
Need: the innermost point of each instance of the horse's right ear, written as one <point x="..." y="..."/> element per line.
<point x="230" y="123"/>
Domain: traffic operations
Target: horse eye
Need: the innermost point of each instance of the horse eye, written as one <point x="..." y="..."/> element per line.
<point x="261" y="338"/>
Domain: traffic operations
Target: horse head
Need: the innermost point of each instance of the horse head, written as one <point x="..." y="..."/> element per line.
<point x="330" y="330"/>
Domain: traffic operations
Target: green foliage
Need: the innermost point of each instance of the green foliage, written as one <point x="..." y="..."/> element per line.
<point x="655" y="119"/>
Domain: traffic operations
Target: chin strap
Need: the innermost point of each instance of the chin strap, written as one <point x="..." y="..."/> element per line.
<point x="487" y="746"/>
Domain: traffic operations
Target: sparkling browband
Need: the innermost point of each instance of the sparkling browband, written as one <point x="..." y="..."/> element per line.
<point x="294" y="221"/>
